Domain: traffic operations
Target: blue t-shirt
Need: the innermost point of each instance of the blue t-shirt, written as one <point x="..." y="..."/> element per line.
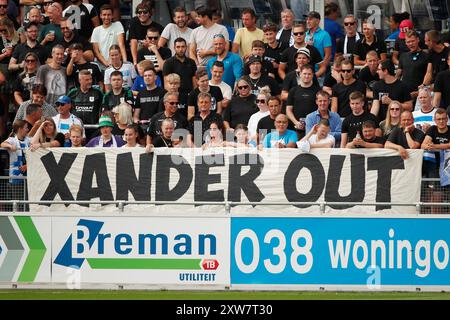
<point x="139" y="84"/>
<point x="274" y="137"/>
<point x="335" y="31"/>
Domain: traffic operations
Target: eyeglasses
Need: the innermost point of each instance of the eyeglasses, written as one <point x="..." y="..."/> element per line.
<point x="260" y="101"/>
<point x="142" y="12"/>
<point x="152" y="38"/>
<point x="349" y="24"/>
<point x="172" y="103"/>
<point x="242" y="87"/>
<point x="30" y="60"/>
<point x="346" y="70"/>
<point x="299" y="33"/>
<point x="395" y="109"/>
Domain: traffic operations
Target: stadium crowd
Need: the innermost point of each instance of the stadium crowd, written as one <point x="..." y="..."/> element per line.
<point x="72" y="75"/>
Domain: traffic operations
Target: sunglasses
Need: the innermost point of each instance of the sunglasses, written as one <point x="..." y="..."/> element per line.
<point x="172" y="103"/>
<point x="299" y="33"/>
<point x="152" y="38"/>
<point x="4" y="6"/>
<point x="3" y="30"/>
<point x="242" y="87"/>
<point x="395" y="109"/>
<point x="142" y="12"/>
<point x="260" y="101"/>
<point x="30" y="60"/>
<point x="346" y="70"/>
<point x="349" y="24"/>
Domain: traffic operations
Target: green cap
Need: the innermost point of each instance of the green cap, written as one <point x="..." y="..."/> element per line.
<point x="105" y="121"/>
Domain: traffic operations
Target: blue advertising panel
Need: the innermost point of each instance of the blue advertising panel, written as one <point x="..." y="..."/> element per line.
<point x="340" y="251"/>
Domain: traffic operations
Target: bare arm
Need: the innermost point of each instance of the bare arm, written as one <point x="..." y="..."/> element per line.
<point x="99" y="55"/>
<point x="334" y="104"/>
<point x="403" y="152"/>
<point x="375" y="107"/>
<point x="429" y="75"/>
<point x="121" y="41"/>
<point x="235" y="47"/>
<point x="290" y="114"/>
<point x="282" y="70"/>
<point x="191" y="112"/>
<point x="437" y="99"/>
<point x="322" y="69"/>
<point x="343" y="139"/>
<point x="193" y="52"/>
<point x="134" y="50"/>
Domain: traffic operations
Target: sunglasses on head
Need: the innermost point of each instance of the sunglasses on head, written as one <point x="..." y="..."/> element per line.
<point x="242" y="87"/>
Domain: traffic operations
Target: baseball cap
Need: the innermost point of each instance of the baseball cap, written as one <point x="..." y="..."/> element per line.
<point x="105" y="121"/>
<point x="63" y="100"/>
<point x="254" y="58"/>
<point x="303" y="50"/>
<point x="405" y="26"/>
<point x="312" y="14"/>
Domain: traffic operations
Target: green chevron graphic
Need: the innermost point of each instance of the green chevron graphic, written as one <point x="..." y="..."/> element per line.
<point x="15" y="249"/>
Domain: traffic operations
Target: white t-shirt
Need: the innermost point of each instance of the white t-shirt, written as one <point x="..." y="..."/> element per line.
<point x="17" y="158"/>
<point x="328" y="139"/>
<point x="253" y="122"/>
<point x="203" y="39"/>
<point x="225" y="88"/>
<point x="63" y="125"/>
<point x="172" y="32"/>
<point x="128" y="72"/>
<point x="106" y="37"/>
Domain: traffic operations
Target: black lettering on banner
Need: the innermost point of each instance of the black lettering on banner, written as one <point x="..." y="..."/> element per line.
<point x="313" y="164"/>
<point x="245" y="182"/>
<point x="126" y="180"/>
<point x="95" y="164"/>
<point x="203" y="179"/>
<point x="384" y="166"/>
<point x="57" y="171"/>
<point x="358" y="180"/>
<point x="163" y="165"/>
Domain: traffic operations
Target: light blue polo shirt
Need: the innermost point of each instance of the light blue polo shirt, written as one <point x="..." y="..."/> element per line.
<point x="321" y="39"/>
<point x="233" y="68"/>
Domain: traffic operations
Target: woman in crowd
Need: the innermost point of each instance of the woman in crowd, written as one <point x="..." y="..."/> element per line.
<point x="174" y="83"/>
<point x="106" y="139"/>
<point x="47" y="136"/>
<point x="242" y="106"/>
<point x="392" y="120"/>
<point x="261" y="103"/>
<point x="76" y="135"/>
<point x="131" y="136"/>
<point x="318" y="137"/>
<point x="242" y="138"/>
<point x="24" y="82"/>
<point x="214" y="136"/>
<point x="165" y="139"/>
<point x="123" y="116"/>
<point x="15" y="144"/>
<point x="127" y="68"/>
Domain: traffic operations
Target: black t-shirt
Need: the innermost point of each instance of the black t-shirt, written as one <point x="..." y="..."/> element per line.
<point x="396" y="91"/>
<point x="329" y="80"/>
<point x="66" y="44"/>
<point x="139" y="32"/>
<point x="59" y="137"/>
<point x="367" y="77"/>
<point x="441" y="84"/>
<point x="265" y="125"/>
<point x="262" y="81"/>
<point x="205" y="124"/>
<point x="93" y="69"/>
<point x="302" y="100"/>
<point x="285" y="37"/>
<point x="146" y="54"/>
<point x="397" y="136"/>
<point x="154" y="128"/>
<point x="342" y="93"/>
<point x="375" y="139"/>
<point x="266" y="68"/>
<point x="352" y="124"/>
<point x="186" y="70"/>
<point x="401" y="47"/>
<point x="274" y="54"/>
<point x="110" y="100"/>
<point x="160" y="142"/>
<point x="438" y="138"/>
<point x="438" y="61"/>
<point x="414" y="67"/>
<point x="351" y="44"/>
<point x="21" y="50"/>
<point x="239" y="110"/>
<point x="361" y="47"/>
<point x="148" y="102"/>
<point x="288" y="56"/>
<point x="24" y="85"/>
<point x="86" y="106"/>
<point x="216" y="97"/>
<point x="292" y="80"/>
<point x="83" y="13"/>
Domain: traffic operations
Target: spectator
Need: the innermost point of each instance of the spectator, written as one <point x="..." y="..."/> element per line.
<point x="201" y="41"/>
<point x="123" y="116"/>
<point x="242" y="139"/>
<point x="241" y="106"/>
<point x="318" y="137"/>
<point x="202" y="120"/>
<point x="131" y="136"/>
<point x="50" y="34"/>
<point x="118" y="94"/>
<point x="10" y="39"/>
<point x="281" y="137"/>
<point x="53" y="75"/>
<point x="166" y="139"/>
<point x="261" y="103"/>
<point x="424" y="118"/>
<point x="217" y="18"/>
<point x="174" y="31"/>
<point x="245" y="36"/>
<point x="334" y="76"/>
<point x="203" y="86"/>
<point x="353" y="122"/>
<point x="24" y="82"/>
<point x="288" y="63"/>
<point x="389" y="88"/>
<point x="183" y="66"/>
<point x="76" y="134"/>
<point x="392" y="120"/>
<point x="70" y="38"/>
<point x="126" y="68"/>
<point x="170" y="112"/>
<point x="139" y="83"/>
<point x="341" y="91"/>
<point x="38" y="94"/>
<point x="33" y="117"/>
<point x="347" y="45"/>
<point x="34" y="15"/>
<point x="77" y="63"/>
<point x="174" y="83"/>
<point x="64" y="119"/>
<point x="301" y="99"/>
<point x="147" y="101"/>
<point x="284" y="36"/>
<point x="258" y="49"/>
<point x="107" y="34"/>
<point x="334" y="29"/>
<point x="318" y="38"/>
<point x="369" y="42"/>
<point x="273" y="48"/>
<point x="267" y="123"/>
<point x="400" y="45"/>
<point x="216" y="80"/>
<point x="368" y="139"/>
<point x="86" y="17"/>
<point x="322" y="112"/>
<point x="394" y="24"/>
<point x="106" y="139"/>
<point x="412" y="65"/>
<point x="442" y="89"/>
<point x="214" y="137"/>
<point x="232" y="62"/>
<point x="47" y="136"/>
<point x="258" y="80"/>
<point x="139" y="26"/>
<point x="406" y="136"/>
<point x="369" y="74"/>
<point x="437" y="56"/>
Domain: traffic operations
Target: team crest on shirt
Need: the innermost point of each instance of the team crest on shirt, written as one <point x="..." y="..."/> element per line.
<point x="91" y="99"/>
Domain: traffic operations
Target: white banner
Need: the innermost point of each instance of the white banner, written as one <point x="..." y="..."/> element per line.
<point x="224" y="174"/>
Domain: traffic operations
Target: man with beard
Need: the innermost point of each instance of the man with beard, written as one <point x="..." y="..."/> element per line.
<point x="83" y="16"/>
<point x="71" y="37"/>
<point x="176" y="30"/>
<point x="258" y="80"/>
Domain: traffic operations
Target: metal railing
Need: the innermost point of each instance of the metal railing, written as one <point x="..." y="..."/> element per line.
<point x="434" y="199"/>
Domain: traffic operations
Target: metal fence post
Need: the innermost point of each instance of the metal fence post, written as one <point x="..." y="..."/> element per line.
<point x="227" y="207"/>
